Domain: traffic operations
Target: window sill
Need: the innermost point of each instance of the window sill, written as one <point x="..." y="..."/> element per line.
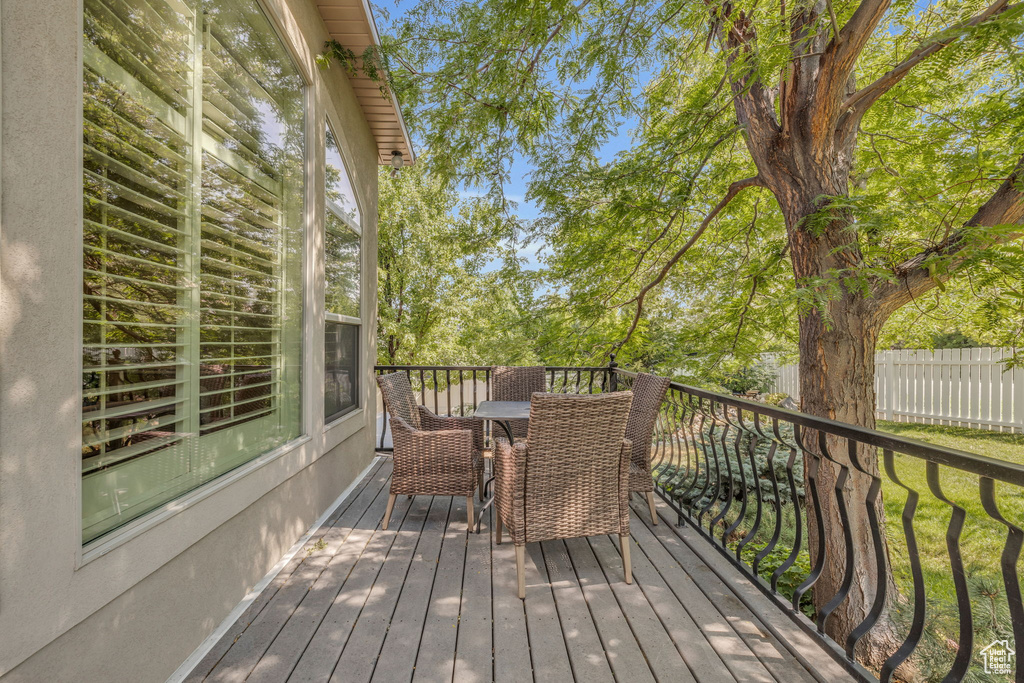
<point x="351" y="415"/>
<point x="136" y="528"/>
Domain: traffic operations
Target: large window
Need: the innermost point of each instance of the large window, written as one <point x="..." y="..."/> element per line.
<point x="193" y="199"/>
<point x="342" y="272"/>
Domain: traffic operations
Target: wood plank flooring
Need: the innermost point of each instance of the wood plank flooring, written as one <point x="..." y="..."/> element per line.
<point x="427" y="601"/>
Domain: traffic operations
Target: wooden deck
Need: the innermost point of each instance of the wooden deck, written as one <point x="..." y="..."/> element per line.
<point x="426" y="601"/>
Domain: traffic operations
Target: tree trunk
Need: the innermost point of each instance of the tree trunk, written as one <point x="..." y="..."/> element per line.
<point x="837" y="372"/>
<point x="838" y="337"/>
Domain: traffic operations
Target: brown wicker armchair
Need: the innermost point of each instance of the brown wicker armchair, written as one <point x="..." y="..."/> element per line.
<point x="517" y="384"/>
<point x="648" y="393"/>
<point x="570" y="477"/>
<point x="434" y="456"/>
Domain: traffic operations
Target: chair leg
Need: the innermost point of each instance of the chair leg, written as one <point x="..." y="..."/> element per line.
<point x="654" y="511"/>
<point x="469" y="511"/>
<point x="387" y="513"/>
<point x="497" y="531"/>
<point x="626" y="564"/>
<point x="480" y="485"/>
<point x="521" y="570"/>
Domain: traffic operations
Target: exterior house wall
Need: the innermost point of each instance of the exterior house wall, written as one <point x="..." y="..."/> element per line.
<point x="133" y="605"/>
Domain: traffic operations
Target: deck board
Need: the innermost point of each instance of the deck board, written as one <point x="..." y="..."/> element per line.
<point x="586" y="652"/>
<point x="435" y="660"/>
<point x="406" y="624"/>
<point x="628" y="662"/>
<point x="427" y="601"/>
<point x="512" y="660"/>
<point x="474" y="662"/>
<point x="547" y="643"/>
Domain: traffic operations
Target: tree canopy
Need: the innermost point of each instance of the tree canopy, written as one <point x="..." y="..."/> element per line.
<point x="490" y="83"/>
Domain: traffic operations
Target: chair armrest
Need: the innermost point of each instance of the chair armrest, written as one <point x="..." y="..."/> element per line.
<point x="432" y="453"/>
<point x="625" y="458"/>
<point x="509" y="486"/>
<point x="431" y="422"/>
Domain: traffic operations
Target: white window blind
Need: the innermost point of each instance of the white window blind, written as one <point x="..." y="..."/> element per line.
<point x="193" y="196"/>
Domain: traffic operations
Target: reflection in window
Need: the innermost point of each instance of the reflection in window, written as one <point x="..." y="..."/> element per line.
<point x="192" y="313"/>
<point x="341" y="268"/>
<point x="341" y="293"/>
<point x="341" y="369"/>
<point x="338" y="186"/>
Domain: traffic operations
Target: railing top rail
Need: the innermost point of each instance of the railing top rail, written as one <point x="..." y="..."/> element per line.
<point x="464" y="368"/>
<point x="981" y="465"/>
<point x="583" y="368"/>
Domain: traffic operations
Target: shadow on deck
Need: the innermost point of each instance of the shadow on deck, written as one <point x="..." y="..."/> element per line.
<point x="427" y="601"/>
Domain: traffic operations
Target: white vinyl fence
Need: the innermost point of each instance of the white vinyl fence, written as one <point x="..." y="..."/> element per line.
<point x="960" y="387"/>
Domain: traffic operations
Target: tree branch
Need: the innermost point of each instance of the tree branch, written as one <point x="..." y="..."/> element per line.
<point x="913" y="278"/>
<point x="861" y="100"/>
<point x="731" y="193"/>
<point x="855" y="34"/>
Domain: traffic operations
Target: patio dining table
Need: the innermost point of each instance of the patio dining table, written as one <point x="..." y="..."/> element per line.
<point x="500" y="412"/>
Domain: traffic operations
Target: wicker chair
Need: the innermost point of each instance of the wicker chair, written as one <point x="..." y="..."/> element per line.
<point x="434" y="456"/>
<point x="570" y="477"/>
<point x="517" y="384"/>
<point x="648" y="393"/>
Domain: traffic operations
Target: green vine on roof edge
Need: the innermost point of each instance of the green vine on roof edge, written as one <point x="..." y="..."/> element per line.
<point x="370" y="63"/>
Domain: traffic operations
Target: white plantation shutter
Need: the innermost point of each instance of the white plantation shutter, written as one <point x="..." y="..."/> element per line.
<point x="242" y="237"/>
<point x="137" y="234"/>
<point x="193" y="201"/>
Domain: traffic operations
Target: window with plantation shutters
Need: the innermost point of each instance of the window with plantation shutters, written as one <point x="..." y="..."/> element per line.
<point x="193" y="208"/>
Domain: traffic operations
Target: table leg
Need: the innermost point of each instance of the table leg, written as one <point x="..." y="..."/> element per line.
<point x="489" y="484"/>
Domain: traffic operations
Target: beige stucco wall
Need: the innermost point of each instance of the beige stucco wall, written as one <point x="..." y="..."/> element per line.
<point x="133" y="606"/>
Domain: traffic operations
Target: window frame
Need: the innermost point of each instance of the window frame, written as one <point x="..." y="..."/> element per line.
<point x="337" y="318"/>
<point x="96" y="548"/>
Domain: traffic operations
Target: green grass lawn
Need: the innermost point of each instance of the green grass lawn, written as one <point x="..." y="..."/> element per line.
<point x="978" y="441"/>
<point x="981" y="542"/>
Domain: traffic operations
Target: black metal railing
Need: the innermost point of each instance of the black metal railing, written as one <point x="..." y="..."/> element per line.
<point x="926" y="539"/>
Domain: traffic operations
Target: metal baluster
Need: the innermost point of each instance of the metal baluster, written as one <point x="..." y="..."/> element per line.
<point x="963" y="599"/>
<point x="434" y="374"/>
<point x="798" y="521"/>
<point x="1008" y="561"/>
<point x="917" y="625"/>
<point x="447" y="389"/>
<point x="704" y="446"/>
<point x="811" y="463"/>
<point x="777" y="529"/>
<point x="878" y="543"/>
<point x="667" y="436"/>
<point x="712" y="500"/>
<point x="751" y="451"/>
<point x="844" y="517"/>
<point x="681" y="408"/>
<point x="728" y="532"/>
<point x="728" y="489"/>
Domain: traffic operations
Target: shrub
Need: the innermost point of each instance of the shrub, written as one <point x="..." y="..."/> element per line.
<point x="759" y="377"/>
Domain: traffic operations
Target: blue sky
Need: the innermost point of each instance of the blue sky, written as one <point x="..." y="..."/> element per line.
<point x="521" y="170"/>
